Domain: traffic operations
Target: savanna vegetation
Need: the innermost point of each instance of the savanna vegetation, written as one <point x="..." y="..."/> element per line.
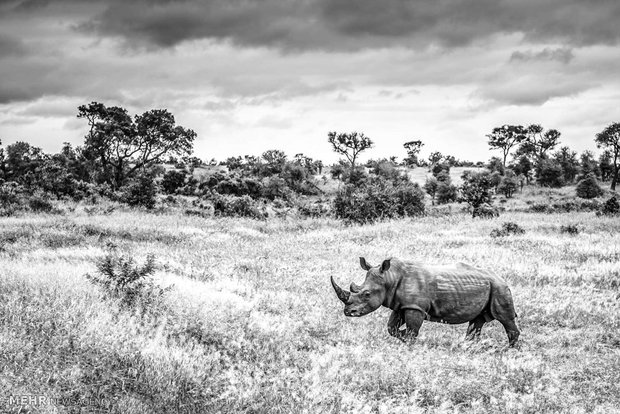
<point x="137" y="278"/>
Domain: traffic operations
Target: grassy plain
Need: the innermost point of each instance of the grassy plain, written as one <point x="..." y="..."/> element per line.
<point x="253" y="326"/>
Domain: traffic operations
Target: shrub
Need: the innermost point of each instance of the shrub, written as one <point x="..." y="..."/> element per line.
<point x="40" y="204"/>
<point x="569" y="229"/>
<point x="446" y="193"/>
<point x="378" y="199"/>
<point x="141" y="192"/>
<point x="507" y="229"/>
<point x="588" y="187"/>
<point x="173" y="180"/>
<point x="610" y="207"/>
<point x="476" y="189"/>
<point x="508" y="185"/>
<point x="231" y="206"/>
<point x="550" y="173"/>
<point x="485" y="211"/>
<point x="119" y="278"/>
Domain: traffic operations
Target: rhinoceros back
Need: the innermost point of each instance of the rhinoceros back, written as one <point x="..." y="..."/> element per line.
<point x="458" y="294"/>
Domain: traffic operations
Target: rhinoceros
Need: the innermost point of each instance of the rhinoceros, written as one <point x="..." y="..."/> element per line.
<point x="415" y="292"/>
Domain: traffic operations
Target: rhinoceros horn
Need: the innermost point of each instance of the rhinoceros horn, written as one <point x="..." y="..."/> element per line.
<point x="343" y="295"/>
<point x="355" y="288"/>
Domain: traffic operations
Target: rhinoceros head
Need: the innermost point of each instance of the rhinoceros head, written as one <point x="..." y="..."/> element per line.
<point x="361" y="300"/>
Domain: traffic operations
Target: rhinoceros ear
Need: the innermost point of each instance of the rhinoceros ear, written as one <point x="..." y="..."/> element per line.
<point x="385" y="266"/>
<point x="364" y="265"/>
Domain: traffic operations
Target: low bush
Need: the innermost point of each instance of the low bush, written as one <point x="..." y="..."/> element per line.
<point x="141" y="192"/>
<point x="231" y="206"/>
<point x="507" y="229"/>
<point x="569" y="229"/>
<point x="485" y="211"/>
<point x="610" y="207"/>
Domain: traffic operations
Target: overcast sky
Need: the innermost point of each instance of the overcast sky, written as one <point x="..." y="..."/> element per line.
<point x="252" y="75"/>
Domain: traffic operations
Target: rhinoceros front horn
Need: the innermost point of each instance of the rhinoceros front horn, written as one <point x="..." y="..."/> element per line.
<point x="343" y="295"/>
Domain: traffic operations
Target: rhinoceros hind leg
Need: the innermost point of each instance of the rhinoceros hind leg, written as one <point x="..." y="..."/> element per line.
<point x="474" y="328"/>
<point x="512" y="330"/>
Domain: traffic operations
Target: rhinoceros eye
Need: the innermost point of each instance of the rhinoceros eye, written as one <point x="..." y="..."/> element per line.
<point x="367" y="293"/>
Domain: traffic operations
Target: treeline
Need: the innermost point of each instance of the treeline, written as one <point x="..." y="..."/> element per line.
<point x="146" y="160"/>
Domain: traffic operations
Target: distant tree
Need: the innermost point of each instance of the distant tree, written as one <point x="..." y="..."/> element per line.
<point x="476" y="189"/>
<point x="275" y="160"/>
<point x="539" y="141"/>
<point x="504" y="138"/>
<point x="609" y="138"/>
<point x="413" y="149"/>
<point x="588" y="165"/>
<point x="173" y="180"/>
<point x="440" y="168"/>
<point x="446" y="192"/>
<point x="349" y="145"/>
<point x="508" y="184"/>
<point x="550" y="173"/>
<point x="434" y="158"/>
<point x="496" y="164"/>
<point x="430" y="186"/>
<point x="21" y="161"/>
<point x="123" y="146"/>
<point x="568" y="160"/>
<point x="606" y="166"/>
<point x="523" y="167"/>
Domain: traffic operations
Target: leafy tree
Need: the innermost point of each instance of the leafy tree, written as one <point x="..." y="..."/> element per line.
<point x="496" y="164"/>
<point x="122" y="146"/>
<point x="434" y="158"/>
<point x="413" y="149"/>
<point x="173" y="180"/>
<point x="430" y="186"/>
<point x="568" y="160"/>
<point x="588" y="165"/>
<point x="550" y="173"/>
<point x="21" y="161"/>
<point x="606" y="166"/>
<point x="476" y="189"/>
<point x="508" y="185"/>
<point x="609" y="138"/>
<point x="539" y="141"/>
<point x="440" y="168"/>
<point x="504" y="138"/>
<point x="349" y="145"/>
<point x="523" y="167"/>
<point x="141" y="191"/>
<point x="446" y="192"/>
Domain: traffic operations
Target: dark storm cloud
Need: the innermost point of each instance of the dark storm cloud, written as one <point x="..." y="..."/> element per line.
<point x="349" y="25"/>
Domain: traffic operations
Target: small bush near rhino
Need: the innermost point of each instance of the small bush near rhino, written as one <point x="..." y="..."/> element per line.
<point x="119" y="278"/>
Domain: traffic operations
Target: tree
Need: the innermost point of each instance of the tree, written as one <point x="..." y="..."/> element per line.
<point x="609" y="138"/>
<point x="523" y="167"/>
<point x="476" y="189"/>
<point x="349" y="145"/>
<point x="122" y="146"/>
<point x="550" y="173"/>
<point x="434" y="158"/>
<point x="504" y="138"/>
<point x="588" y="165"/>
<point x="539" y="142"/>
<point x="568" y="160"/>
<point x="413" y="150"/>
<point x="605" y="165"/>
<point x="430" y="186"/>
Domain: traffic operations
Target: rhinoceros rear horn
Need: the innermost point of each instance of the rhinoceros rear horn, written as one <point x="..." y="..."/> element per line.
<point x="342" y="294"/>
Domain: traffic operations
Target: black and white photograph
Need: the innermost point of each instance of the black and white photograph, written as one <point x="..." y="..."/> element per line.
<point x="309" y="206"/>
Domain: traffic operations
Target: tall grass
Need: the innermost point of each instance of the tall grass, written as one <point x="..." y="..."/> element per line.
<point x="252" y="325"/>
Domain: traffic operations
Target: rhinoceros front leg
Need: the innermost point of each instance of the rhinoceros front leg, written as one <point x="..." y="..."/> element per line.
<point x="397" y="319"/>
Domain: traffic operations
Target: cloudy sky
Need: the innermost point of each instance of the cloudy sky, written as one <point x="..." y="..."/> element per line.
<point x="252" y="75"/>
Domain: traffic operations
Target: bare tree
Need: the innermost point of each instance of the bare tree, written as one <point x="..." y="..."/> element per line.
<point x="349" y="145"/>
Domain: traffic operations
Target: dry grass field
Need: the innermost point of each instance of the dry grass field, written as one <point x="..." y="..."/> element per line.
<point x="252" y="325"/>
